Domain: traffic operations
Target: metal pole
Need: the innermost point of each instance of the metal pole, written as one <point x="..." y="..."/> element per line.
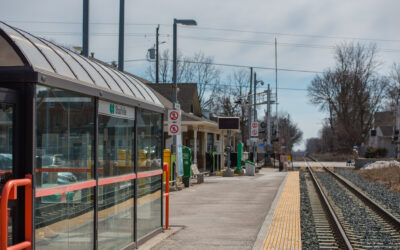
<point x="276" y="91"/>
<point x="267" y="160"/>
<point x="255" y="116"/>
<point x="85" y="29"/>
<point x="121" y="35"/>
<point x="249" y="108"/>
<point x="268" y="116"/>
<point x="157" y="58"/>
<point x="175" y="100"/>
<point x="255" y="97"/>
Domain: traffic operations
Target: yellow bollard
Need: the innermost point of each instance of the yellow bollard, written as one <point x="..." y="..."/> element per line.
<point x="167" y="159"/>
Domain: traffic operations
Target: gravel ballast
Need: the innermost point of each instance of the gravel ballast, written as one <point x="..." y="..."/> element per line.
<point x="376" y="190"/>
<point x="308" y="234"/>
<point x="370" y="232"/>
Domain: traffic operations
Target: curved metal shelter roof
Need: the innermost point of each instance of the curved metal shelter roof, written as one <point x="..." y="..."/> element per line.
<point x="22" y="49"/>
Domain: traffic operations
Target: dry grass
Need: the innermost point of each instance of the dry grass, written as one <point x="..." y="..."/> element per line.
<point x="389" y="176"/>
<point x="332" y="157"/>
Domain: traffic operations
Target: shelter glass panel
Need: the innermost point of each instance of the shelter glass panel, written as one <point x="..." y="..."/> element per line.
<point x="8" y="56"/>
<point x="54" y="59"/>
<point x="118" y="80"/>
<point x="33" y="55"/>
<point x="113" y="85"/>
<point x="145" y="92"/>
<point x="78" y="70"/>
<point x="115" y="158"/>
<point x="149" y="140"/>
<point x="149" y="205"/>
<point x="64" y="182"/>
<point x="99" y="81"/>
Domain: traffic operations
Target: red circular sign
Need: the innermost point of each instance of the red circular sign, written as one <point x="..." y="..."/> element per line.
<point x="174" y="115"/>
<point x="174" y="129"/>
<point x="255" y="125"/>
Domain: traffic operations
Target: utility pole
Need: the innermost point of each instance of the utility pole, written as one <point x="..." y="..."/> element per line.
<point x="249" y="109"/>
<point x="255" y="117"/>
<point x="276" y="97"/>
<point x="85" y="29"/>
<point x="267" y="160"/>
<point x="121" y="35"/>
<point x="157" y="57"/>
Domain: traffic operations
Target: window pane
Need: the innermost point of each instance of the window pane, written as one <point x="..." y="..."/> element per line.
<point x="116" y="140"/>
<point x="65" y="221"/>
<point x="116" y="215"/>
<point x="64" y="156"/>
<point x="6" y="140"/>
<point x="115" y="157"/>
<point x="64" y="137"/>
<point x="149" y="140"/>
<point x="149" y="205"/>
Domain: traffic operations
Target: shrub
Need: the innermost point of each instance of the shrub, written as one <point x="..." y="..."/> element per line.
<point x="371" y="152"/>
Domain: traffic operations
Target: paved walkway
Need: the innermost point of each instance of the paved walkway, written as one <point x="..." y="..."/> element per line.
<point x="222" y="213"/>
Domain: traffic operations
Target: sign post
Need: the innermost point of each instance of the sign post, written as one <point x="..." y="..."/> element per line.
<point x="228" y="123"/>
<point x="174" y="129"/>
<point x="254" y="138"/>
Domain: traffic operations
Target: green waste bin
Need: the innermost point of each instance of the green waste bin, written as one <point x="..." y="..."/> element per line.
<point x="187" y="163"/>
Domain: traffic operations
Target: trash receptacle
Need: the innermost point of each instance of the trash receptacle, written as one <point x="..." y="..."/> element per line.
<point x="187" y="163"/>
<point x="250" y="168"/>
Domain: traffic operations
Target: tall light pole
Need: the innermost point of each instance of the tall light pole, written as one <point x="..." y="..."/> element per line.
<point x="255" y="113"/>
<point x="121" y="35"/>
<point x="157" y="57"/>
<point x="189" y="22"/>
<point x="85" y="29"/>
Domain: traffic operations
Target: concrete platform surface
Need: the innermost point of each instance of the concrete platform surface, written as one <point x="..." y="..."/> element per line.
<point x="223" y="212"/>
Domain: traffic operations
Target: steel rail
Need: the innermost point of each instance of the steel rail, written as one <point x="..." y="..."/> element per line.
<point x="340" y="234"/>
<point x="368" y="201"/>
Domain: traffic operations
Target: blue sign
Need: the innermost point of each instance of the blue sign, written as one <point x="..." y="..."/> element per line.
<point x="261" y="145"/>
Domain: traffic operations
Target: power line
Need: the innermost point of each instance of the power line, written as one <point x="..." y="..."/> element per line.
<point x="239" y="66"/>
<point x="292" y="35"/>
<point x="218" y="29"/>
<point x="211" y="39"/>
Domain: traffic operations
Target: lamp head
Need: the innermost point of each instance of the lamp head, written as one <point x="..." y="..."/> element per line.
<point x="189" y="22"/>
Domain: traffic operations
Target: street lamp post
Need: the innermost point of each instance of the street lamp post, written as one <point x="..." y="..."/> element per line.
<point x="255" y="113"/>
<point x="189" y="22"/>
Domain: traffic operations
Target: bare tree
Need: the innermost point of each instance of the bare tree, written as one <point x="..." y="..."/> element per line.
<point x="393" y="90"/>
<point x="165" y="69"/>
<point x="289" y="131"/>
<point x="197" y="69"/>
<point x="351" y="93"/>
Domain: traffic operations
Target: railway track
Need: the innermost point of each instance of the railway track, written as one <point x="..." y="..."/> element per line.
<point x="346" y="218"/>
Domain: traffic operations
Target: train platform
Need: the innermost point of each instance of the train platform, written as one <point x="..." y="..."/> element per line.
<point x="221" y="213"/>
<point x="281" y="228"/>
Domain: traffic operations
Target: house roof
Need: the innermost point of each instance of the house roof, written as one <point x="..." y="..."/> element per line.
<point x="385" y="118"/>
<point x="35" y="54"/>
<point x="186" y="95"/>
<point x="186" y="117"/>
<point x="386" y="130"/>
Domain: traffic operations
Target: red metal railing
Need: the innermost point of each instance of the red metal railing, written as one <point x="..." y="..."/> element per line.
<point x="10" y="193"/>
<point x="166" y="194"/>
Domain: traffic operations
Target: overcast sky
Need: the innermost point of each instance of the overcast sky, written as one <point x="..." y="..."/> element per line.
<point x="235" y="32"/>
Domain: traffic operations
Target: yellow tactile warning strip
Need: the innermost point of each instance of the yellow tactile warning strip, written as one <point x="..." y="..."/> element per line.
<point x="284" y="231"/>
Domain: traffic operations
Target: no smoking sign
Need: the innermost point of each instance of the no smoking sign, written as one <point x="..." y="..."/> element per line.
<point x="174" y="122"/>
<point x="173" y="129"/>
<point x="174" y="116"/>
